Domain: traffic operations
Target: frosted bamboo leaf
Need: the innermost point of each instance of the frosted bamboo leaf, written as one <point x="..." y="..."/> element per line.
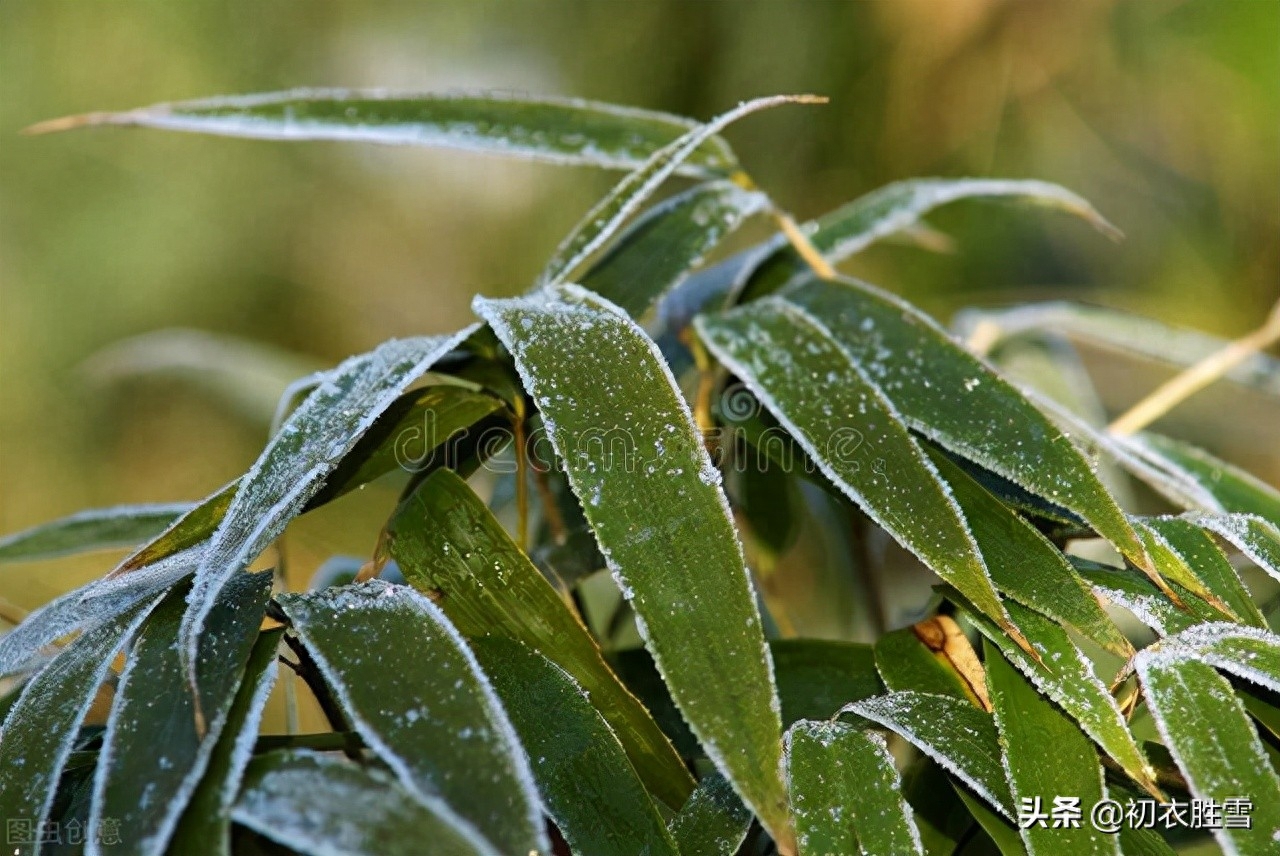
<point x="97" y="529"/>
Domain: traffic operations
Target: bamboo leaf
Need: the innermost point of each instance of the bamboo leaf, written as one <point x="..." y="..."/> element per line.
<point x="426" y="709"/>
<point x="616" y="419"/>
<point x="670" y="239"/>
<point x="713" y="822"/>
<point x="1026" y="566"/>
<point x="295" y="463"/>
<point x="1066" y="676"/>
<point x="1257" y="538"/>
<point x="41" y="727"/>
<point x="905" y="663"/>
<point x="1147" y="603"/>
<point x="952" y="732"/>
<point x="1246" y="652"/>
<point x="98" y="529"/>
<point x="791" y="362"/>
<point x="893" y="208"/>
<point x="1215" y="485"/>
<point x="362" y="811"/>
<point x="632" y="191"/>
<point x="205" y="826"/>
<point x="154" y="756"/>
<point x="1046" y="758"/>
<point x="955" y="400"/>
<point x="846" y="793"/>
<point x="816" y="677"/>
<point x="587" y="784"/>
<point x="449" y="546"/>
<point x="1211" y="738"/>
<point x="87" y="607"/>
<point x="557" y="130"/>
<point x="1204" y="563"/>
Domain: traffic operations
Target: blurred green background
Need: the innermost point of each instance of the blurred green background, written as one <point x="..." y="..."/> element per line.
<point x="1165" y="114"/>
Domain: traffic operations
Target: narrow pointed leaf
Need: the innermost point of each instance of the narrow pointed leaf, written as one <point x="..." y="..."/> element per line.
<point x="1066" y="676"/>
<point x="99" y="529"/>
<point x="205" y="826"/>
<point x="1208" y="567"/>
<point x="954" y="399"/>
<point x="665" y="243"/>
<point x="587" y="784"/>
<point x="632" y="192"/>
<point x="1232" y="489"/>
<point x="816" y="677"/>
<point x="851" y="228"/>
<point x="952" y="732"/>
<point x="1257" y="538"/>
<point x="295" y="463"/>
<point x="792" y="363"/>
<point x="1026" y="566"/>
<point x="1147" y="603"/>
<point x="1045" y="757"/>
<point x="152" y="756"/>
<point x="632" y="454"/>
<point x="413" y="691"/>
<point x="327" y="806"/>
<point x="846" y="793"/>
<point x="449" y="546"/>
<point x="87" y="607"/>
<point x="906" y="663"/>
<point x="190" y="529"/>
<point x="713" y="822"/>
<point x="1246" y="652"/>
<point x="1210" y="736"/>
<point x="41" y="727"/>
<point x="558" y="130"/>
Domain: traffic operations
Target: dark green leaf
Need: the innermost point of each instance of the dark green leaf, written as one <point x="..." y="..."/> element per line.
<point x="906" y="663"/>
<point x="1257" y="538"/>
<point x="713" y="822"/>
<point x="632" y="454"/>
<point x="1208" y="568"/>
<point x="816" y="677"/>
<point x="205" y="826"/>
<point x="845" y="792"/>
<point x="40" y="729"/>
<point x="954" y="733"/>
<point x="1152" y="607"/>
<point x="668" y="241"/>
<point x="295" y="463"/>
<point x="326" y="806"/>
<point x="412" y="689"/>
<point x="1045" y="757"/>
<point x="1210" y="736"/>
<point x="450" y="547"/>
<point x="559" y="130"/>
<point x="1246" y="652"/>
<point x="851" y="228"/>
<point x="99" y="529"/>
<point x="153" y="756"/>
<point x="587" y="784"/>
<point x="822" y="397"/>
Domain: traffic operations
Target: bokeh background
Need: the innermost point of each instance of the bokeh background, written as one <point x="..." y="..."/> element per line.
<point x="1165" y="113"/>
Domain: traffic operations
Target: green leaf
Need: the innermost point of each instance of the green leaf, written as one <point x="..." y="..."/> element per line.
<point x="1045" y="757"/>
<point x="851" y="228"/>
<point x="1147" y="603"/>
<point x="205" y="826"/>
<point x="192" y="528"/>
<point x="794" y="365"/>
<point x="1115" y="330"/>
<point x="557" y="130"/>
<point x="587" y="784"/>
<point x="450" y="547"/>
<point x="1065" y="675"/>
<point x="1026" y="566"/>
<point x="87" y="607"/>
<point x="413" y="691"/>
<point x="416" y="434"/>
<point x="327" y="806"/>
<point x="713" y="822"/>
<point x="295" y="463"/>
<point x="1210" y="736"/>
<point x="629" y="194"/>
<point x="1246" y="652"/>
<point x="668" y="241"/>
<point x="99" y="529"/>
<point x="906" y="663"/>
<point x="1257" y="538"/>
<point x="632" y="454"/>
<point x="846" y="793"/>
<point x="1000" y="830"/>
<point x="954" y="399"/>
<point x="1201" y="560"/>
<point x="816" y="677"/>
<point x="41" y="727"/>
<point x="153" y="756"/>
<point x="1222" y="487"/>
<point x="952" y="732"/>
